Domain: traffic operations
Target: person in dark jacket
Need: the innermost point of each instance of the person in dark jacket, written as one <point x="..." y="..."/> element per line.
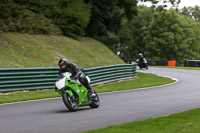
<point x="65" y="66"/>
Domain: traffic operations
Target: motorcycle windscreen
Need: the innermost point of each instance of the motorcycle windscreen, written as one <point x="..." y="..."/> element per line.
<point x="60" y="84"/>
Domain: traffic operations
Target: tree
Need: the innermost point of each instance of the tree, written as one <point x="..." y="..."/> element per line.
<point x="71" y="16"/>
<point x="16" y="18"/>
<point x="107" y="18"/>
<point x="163" y="3"/>
<point x="192" y="12"/>
<point x="160" y="35"/>
<point x="172" y="37"/>
<point x="131" y="34"/>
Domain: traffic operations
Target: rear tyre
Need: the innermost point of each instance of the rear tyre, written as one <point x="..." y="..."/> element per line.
<point x="140" y="66"/>
<point x="69" y="102"/>
<point x="95" y="101"/>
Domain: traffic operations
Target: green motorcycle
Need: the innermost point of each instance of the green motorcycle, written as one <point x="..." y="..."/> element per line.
<point x="73" y="93"/>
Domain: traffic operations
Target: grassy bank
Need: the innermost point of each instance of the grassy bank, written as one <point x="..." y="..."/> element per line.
<point x="24" y="50"/>
<point x="144" y="80"/>
<point x="185" y="122"/>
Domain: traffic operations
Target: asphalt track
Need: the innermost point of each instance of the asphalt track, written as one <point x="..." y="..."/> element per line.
<point x="51" y="116"/>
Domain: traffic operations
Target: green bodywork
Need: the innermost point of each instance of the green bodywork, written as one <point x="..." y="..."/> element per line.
<point x="80" y="90"/>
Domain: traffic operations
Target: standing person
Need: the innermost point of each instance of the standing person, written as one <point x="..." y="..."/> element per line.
<point x="65" y="66"/>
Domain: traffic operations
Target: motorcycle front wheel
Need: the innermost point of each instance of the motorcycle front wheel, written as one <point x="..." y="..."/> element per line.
<point x="95" y="101"/>
<point x="69" y="102"/>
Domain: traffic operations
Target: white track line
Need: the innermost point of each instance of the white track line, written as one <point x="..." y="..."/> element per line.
<point x="176" y="81"/>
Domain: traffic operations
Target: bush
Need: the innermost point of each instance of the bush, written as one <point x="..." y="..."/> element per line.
<point x="16" y="18"/>
<point x="71" y="16"/>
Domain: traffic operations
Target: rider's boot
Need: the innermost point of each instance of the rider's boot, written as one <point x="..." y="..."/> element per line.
<point x="91" y="93"/>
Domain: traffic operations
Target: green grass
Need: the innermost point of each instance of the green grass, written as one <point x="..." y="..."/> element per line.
<point x="27" y="95"/>
<point x="24" y="50"/>
<point x="185" y="122"/>
<point x="192" y="68"/>
<point x="144" y="80"/>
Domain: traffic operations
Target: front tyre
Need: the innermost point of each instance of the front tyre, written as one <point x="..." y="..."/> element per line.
<point x="69" y="102"/>
<point x="95" y="101"/>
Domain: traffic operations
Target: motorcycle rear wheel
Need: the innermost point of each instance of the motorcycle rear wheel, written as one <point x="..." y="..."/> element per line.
<point x="69" y="102"/>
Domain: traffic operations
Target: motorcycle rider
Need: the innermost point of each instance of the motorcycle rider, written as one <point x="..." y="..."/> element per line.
<point x="142" y="62"/>
<point x="65" y="66"/>
<point x="141" y="57"/>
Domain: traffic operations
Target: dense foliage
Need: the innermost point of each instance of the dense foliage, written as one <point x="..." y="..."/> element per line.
<point x="192" y="12"/>
<point x="108" y="16"/>
<point x="160" y="35"/>
<point x="170" y="36"/>
<point x="16" y="18"/>
<point x="131" y="35"/>
<point x="71" y="16"/>
<point x="100" y="19"/>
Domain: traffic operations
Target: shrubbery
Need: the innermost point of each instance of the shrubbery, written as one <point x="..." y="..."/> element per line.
<point x="16" y="18"/>
<point x="45" y="16"/>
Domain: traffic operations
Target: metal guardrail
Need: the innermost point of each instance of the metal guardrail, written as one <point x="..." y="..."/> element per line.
<point x="192" y="63"/>
<point x="17" y="79"/>
<point x="106" y="74"/>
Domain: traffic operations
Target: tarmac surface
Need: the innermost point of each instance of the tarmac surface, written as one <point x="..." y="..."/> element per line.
<point x="51" y="115"/>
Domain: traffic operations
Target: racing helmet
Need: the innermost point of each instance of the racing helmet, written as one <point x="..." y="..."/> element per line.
<point x="62" y="63"/>
<point x="140" y="56"/>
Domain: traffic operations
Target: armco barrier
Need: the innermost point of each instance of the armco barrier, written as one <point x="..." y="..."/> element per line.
<point x="17" y="79"/>
<point x="192" y="63"/>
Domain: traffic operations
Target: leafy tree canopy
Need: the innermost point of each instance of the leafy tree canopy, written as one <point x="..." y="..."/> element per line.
<point x="192" y="12"/>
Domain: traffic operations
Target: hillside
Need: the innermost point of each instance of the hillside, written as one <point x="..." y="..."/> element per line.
<point x="24" y="50"/>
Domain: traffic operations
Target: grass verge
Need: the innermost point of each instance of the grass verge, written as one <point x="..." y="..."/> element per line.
<point x="192" y="68"/>
<point x="185" y="122"/>
<point x="144" y="80"/>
